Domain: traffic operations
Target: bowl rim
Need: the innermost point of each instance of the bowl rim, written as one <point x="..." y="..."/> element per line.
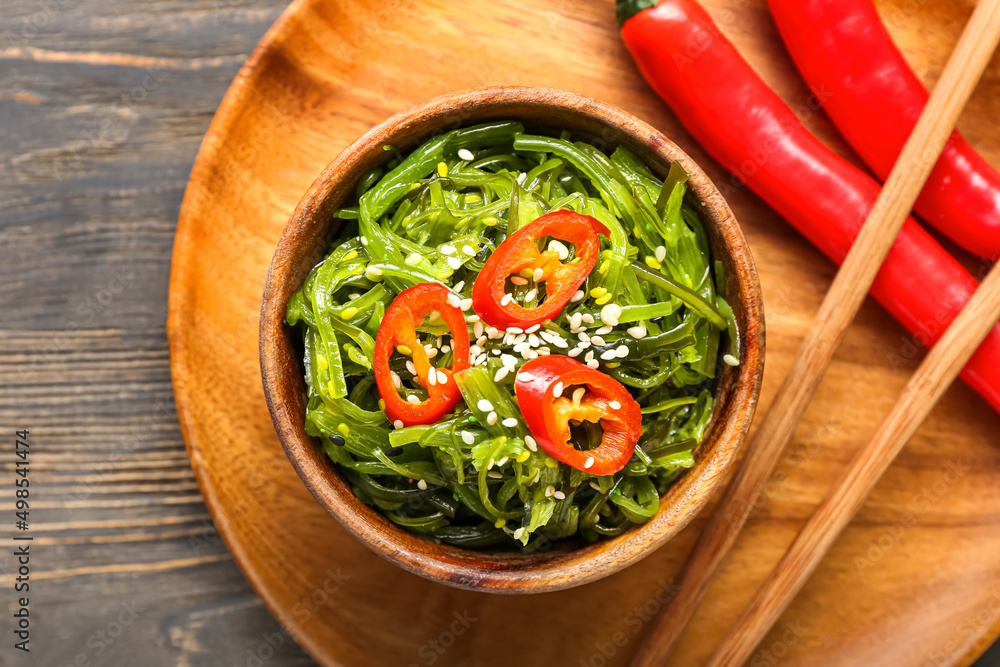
<point x="511" y="572"/>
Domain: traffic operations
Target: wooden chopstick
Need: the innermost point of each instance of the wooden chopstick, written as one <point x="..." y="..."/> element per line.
<point x="922" y="392"/>
<point x="838" y="309"/>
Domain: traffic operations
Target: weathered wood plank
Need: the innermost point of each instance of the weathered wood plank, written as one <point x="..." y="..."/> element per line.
<point x="102" y="109"/>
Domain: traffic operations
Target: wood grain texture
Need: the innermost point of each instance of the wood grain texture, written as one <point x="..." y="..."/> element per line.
<point x="332" y="71"/>
<point x="91" y="375"/>
<point x="836" y="313"/>
<point x="90" y="188"/>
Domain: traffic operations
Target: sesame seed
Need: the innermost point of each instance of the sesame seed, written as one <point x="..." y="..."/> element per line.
<point x="475" y="350"/>
<point x="660" y="253"/>
<point x="472" y="318"/>
<point x="493" y="474"/>
<point x="422" y="485"/>
<point x="559" y="495"/>
<point x="445" y="349"/>
<point x="583" y="345"/>
<point x="533" y="328"/>
<point x="505" y="299"/>
<point x="608" y="355"/>
<point x="622" y="351"/>
<point x="508" y="360"/>
<point x="396" y="382"/>
<point x="398" y="423"/>
<point x="394" y="451"/>
<point x="530" y="443"/>
<point x="610" y="314"/>
<point x="595" y="486"/>
<point x="615" y="405"/>
<point x="466" y="154"/>
<point x="432" y="378"/>
<point x="459" y="286"/>
<point x="550" y="491"/>
<point x="469" y="250"/>
<point x="338" y="440"/>
<point x="559" y="249"/>
<point x="468" y="438"/>
<point x="413" y="399"/>
<point x="532" y="354"/>
<point x="731" y="360"/>
<point x="588" y="318"/>
<point x="557" y="390"/>
<point x="364" y="241"/>
<point x="455" y="263"/>
<point x="525" y="377"/>
<point x="410" y="367"/>
<point x="454" y="300"/>
<point x="559" y="342"/>
<point x="530" y="296"/>
<point x="575" y="320"/>
<point x="593" y="363"/>
<point x="584" y="338"/>
<point x="578" y="396"/>
<point x="510" y="422"/>
<point x="575" y="352"/>
<point x="493" y="332"/>
<point x="465" y="304"/>
<point x="414" y="259"/>
<point x="491" y="464"/>
<point x="491" y="418"/>
<point x="539" y="273"/>
<point x="373" y="271"/>
<point x="501" y="374"/>
<point x="533" y="340"/>
<point x="577" y="296"/>
<point x="447" y="249"/>
<point x="589" y="463"/>
<point x="518" y="533"/>
<point x="518" y="280"/>
<point x="442" y="378"/>
<point x="515" y="330"/>
<point x="637" y="331"/>
<point x="597" y="340"/>
<point x="484" y="405"/>
<point x="604" y="330"/>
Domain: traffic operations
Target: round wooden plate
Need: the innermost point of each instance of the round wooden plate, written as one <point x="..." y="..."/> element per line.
<point x="914" y="581"/>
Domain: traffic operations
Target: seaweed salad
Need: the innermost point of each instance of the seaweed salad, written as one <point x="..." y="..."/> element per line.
<point x="514" y="338"/>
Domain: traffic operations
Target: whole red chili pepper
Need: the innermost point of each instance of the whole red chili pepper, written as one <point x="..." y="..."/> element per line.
<point x="864" y="83"/>
<point x="746" y="127"/>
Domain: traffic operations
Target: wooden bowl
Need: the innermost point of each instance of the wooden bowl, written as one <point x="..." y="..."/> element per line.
<point x="304" y="243"/>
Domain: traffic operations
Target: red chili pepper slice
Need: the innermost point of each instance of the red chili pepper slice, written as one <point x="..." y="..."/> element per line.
<point x="547" y="416"/>
<point x="519" y="251"/>
<point x="399" y="328"/>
